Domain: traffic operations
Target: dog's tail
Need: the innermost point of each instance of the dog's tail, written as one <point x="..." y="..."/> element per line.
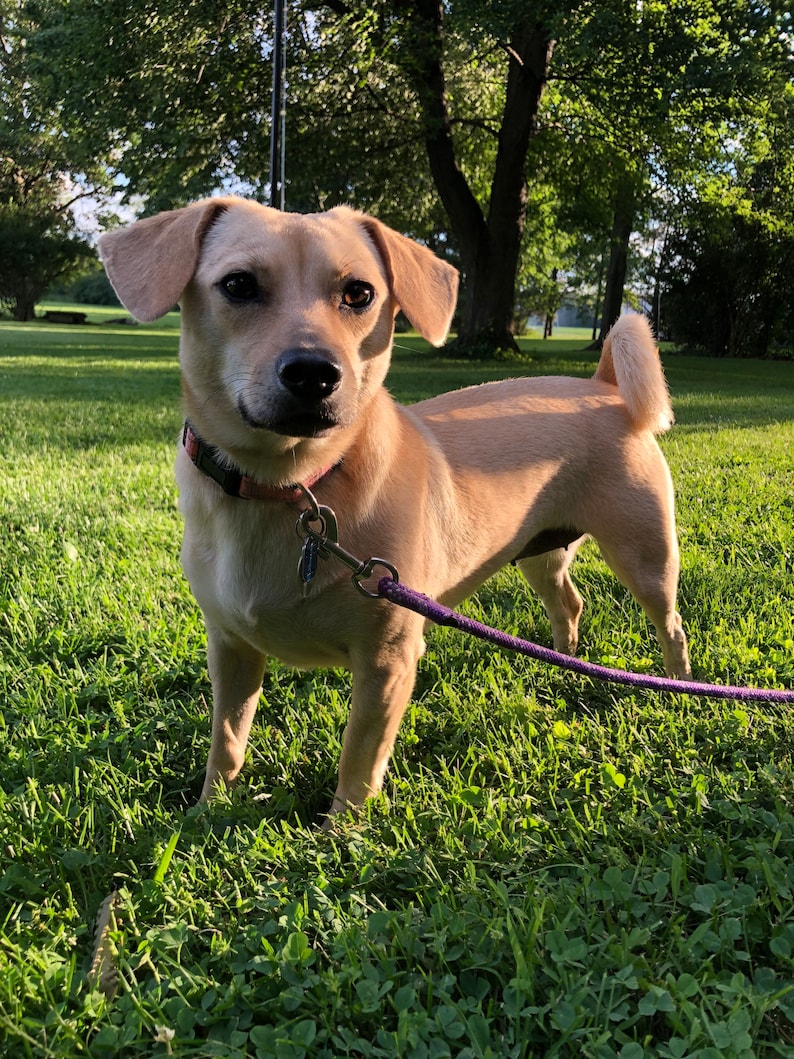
<point x="630" y="361"/>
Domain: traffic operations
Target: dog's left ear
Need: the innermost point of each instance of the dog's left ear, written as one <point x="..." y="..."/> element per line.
<point x="424" y="286"/>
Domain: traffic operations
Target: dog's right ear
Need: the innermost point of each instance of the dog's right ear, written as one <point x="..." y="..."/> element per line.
<point x="151" y="261"/>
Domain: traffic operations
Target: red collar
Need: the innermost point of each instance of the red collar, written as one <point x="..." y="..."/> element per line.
<point x="232" y="481"/>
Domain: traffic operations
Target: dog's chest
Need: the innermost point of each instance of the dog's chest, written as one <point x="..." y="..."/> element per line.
<point x="243" y="571"/>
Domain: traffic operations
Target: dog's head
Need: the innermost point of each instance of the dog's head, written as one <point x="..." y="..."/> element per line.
<point x="287" y="319"/>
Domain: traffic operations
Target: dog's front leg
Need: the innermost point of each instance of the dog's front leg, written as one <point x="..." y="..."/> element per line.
<point x="236" y="672"/>
<point x="382" y="687"/>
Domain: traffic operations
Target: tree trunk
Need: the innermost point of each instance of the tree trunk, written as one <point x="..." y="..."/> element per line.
<point x="597" y="304"/>
<point x="24" y="308"/>
<point x="622" y="225"/>
<point x="489" y="246"/>
<point x="656" y="310"/>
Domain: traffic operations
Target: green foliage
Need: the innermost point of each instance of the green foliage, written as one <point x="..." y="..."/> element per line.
<point x="728" y="255"/>
<point x="37" y="247"/>
<point x="158" y="92"/>
<point x="556" y="868"/>
<point x="38" y="244"/>
<point x="727" y="290"/>
<point x="94" y="289"/>
<point x="662" y="99"/>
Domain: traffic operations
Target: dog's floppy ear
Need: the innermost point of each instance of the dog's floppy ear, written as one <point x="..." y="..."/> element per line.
<point x="151" y="261"/>
<point x="424" y="286"/>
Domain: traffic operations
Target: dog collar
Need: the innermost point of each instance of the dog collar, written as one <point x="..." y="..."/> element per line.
<point x="232" y="480"/>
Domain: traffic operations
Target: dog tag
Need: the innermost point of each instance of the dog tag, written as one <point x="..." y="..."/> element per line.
<point x="307" y="564"/>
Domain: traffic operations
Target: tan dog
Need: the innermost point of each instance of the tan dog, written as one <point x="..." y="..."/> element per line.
<point x="287" y="327"/>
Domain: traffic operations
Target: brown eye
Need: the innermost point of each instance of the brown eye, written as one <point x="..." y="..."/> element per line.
<point x="240" y="287"/>
<point x="358" y="295"/>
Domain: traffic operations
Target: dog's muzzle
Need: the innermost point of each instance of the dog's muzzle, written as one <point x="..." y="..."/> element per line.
<point x="304" y="406"/>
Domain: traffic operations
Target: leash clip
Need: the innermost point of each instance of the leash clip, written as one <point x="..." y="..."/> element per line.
<point x="317" y="525"/>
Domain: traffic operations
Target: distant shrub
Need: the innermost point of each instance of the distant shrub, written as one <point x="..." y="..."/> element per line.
<point x="93" y="289"/>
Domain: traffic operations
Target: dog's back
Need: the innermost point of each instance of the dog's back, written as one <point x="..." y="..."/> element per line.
<point x="630" y="361"/>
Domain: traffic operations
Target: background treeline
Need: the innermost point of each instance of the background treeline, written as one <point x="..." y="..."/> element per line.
<point x="582" y="152"/>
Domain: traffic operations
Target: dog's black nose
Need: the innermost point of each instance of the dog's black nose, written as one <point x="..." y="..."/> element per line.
<point x="310" y="375"/>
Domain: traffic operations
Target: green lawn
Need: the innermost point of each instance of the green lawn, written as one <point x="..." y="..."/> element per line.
<point x="556" y="868"/>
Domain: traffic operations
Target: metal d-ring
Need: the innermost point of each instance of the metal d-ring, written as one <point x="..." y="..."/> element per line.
<point x="304" y="526"/>
<point x="367" y="570"/>
<point x="311" y="499"/>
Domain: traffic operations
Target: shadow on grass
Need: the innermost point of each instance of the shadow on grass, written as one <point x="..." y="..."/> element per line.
<point x="139" y="368"/>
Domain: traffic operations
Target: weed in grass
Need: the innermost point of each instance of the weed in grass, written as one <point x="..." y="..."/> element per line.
<point x="557" y="868"/>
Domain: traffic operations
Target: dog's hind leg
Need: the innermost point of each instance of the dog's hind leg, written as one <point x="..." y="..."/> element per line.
<point x="651" y="575"/>
<point x="236" y="672"/>
<point x="548" y="575"/>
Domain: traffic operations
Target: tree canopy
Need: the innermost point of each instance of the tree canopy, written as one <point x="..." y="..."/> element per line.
<point x="38" y="243"/>
<point x="452" y="121"/>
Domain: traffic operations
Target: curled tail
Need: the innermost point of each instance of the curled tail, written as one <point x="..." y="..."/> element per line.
<point x="630" y="361"/>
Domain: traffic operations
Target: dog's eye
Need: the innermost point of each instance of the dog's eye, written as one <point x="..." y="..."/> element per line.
<point x="240" y="287"/>
<point x="358" y="295"/>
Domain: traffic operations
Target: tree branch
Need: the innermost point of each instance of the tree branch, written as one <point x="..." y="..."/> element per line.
<point x="337" y="6"/>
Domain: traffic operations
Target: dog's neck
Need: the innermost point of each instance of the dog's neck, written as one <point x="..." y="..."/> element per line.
<point x="232" y="480"/>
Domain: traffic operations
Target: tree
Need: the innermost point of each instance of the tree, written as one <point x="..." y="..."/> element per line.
<point x="170" y="96"/>
<point x="37" y="239"/>
<point x="177" y="92"/>
<point x="725" y="274"/>
<point x="727" y="289"/>
<point x="489" y="241"/>
<point x="36" y="248"/>
<point x="395" y="106"/>
<point x="671" y="88"/>
<point x="568" y="216"/>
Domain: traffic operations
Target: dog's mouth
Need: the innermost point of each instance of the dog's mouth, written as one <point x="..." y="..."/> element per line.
<point x="295" y="423"/>
<point x="304" y="426"/>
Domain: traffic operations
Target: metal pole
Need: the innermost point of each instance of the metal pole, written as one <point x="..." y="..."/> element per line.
<point x="282" y="171"/>
<point x="277" y="109"/>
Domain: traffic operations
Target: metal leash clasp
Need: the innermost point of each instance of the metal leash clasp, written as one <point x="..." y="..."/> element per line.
<point x="318" y="527"/>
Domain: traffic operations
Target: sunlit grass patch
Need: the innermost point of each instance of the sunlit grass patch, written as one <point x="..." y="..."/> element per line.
<point x="555" y="868"/>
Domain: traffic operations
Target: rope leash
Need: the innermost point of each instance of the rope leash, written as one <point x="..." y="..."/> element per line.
<point x="402" y="596"/>
<point x="318" y="528"/>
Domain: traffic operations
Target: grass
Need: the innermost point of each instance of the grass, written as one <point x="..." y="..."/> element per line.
<point x="556" y="868"/>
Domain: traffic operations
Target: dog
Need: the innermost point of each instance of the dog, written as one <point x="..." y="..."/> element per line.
<point x="287" y="325"/>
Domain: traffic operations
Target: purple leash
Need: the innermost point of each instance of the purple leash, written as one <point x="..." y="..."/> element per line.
<point x="389" y="588"/>
<point x="317" y="525"/>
